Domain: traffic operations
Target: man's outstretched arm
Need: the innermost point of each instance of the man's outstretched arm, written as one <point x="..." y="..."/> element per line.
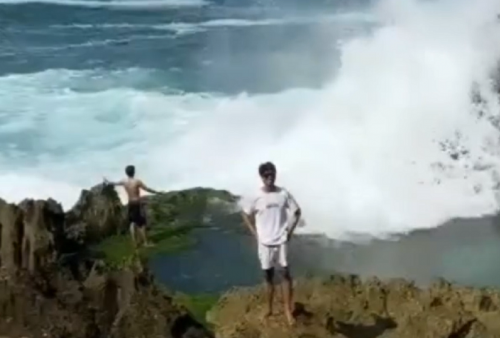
<point x="119" y="183"/>
<point x="146" y="188"/>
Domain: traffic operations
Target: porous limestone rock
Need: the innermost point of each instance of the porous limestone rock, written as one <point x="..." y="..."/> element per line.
<point x="345" y="306"/>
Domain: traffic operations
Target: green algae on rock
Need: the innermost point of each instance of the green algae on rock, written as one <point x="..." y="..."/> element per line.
<point x="171" y="216"/>
<point x="197" y="304"/>
<point x="187" y="207"/>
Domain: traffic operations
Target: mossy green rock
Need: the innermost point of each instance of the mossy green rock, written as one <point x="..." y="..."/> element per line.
<point x="189" y="208"/>
<point x="171" y="216"/>
<point x="198" y="304"/>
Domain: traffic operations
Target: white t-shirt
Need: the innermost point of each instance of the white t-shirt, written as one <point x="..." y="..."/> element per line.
<point x="271" y="214"/>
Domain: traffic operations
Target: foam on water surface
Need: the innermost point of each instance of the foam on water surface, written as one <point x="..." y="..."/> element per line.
<point x="119" y="4"/>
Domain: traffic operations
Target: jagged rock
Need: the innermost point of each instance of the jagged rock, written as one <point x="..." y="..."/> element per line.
<point x="11" y="235"/>
<point x="28" y="233"/>
<point x="41" y="295"/>
<point x="43" y="222"/>
<point x="97" y="214"/>
<point x="347" y="307"/>
<point x="121" y="304"/>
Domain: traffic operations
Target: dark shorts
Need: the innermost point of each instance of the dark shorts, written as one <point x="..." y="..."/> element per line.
<point x="136" y="214"/>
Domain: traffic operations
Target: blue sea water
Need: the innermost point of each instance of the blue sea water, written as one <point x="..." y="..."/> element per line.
<point x="210" y="47"/>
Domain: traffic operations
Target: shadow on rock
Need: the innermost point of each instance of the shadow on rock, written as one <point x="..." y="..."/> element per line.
<point x="366" y="331"/>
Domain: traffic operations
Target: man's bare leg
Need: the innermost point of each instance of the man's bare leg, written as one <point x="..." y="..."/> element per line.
<point x="269" y="276"/>
<point x="287" y="286"/>
<point x="144" y="238"/>
<point x="132" y="235"/>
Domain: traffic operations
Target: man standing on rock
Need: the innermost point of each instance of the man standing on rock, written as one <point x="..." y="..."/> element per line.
<point x="267" y="218"/>
<point x="136" y="215"/>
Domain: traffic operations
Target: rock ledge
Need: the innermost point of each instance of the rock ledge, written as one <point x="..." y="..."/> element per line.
<point x="344" y="306"/>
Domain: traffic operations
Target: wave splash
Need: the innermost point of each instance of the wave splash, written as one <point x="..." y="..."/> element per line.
<point x="393" y="143"/>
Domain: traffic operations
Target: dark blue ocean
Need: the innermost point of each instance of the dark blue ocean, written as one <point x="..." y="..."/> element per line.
<point x="190" y="45"/>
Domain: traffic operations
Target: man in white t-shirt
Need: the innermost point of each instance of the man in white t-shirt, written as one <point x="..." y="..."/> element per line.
<point x="267" y="218"/>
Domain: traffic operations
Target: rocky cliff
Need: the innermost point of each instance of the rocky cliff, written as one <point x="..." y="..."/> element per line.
<point x="347" y="307"/>
<point x="55" y="283"/>
<point x="52" y="285"/>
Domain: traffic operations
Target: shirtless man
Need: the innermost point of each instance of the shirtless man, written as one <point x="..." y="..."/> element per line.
<point x="136" y="215"/>
<point x="267" y="218"/>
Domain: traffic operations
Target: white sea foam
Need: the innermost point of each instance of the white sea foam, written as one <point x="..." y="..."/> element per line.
<point x="193" y="27"/>
<point x="124" y="4"/>
<point x="361" y="155"/>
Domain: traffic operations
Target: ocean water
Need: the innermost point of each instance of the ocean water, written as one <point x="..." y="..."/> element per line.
<point x="463" y="251"/>
<point x="365" y="107"/>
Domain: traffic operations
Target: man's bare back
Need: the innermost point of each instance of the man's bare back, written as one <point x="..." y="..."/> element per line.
<point x="133" y="188"/>
<point x="132" y="185"/>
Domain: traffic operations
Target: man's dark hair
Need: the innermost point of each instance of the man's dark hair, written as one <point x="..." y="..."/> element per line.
<point x="130" y="170"/>
<point x="267" y="167"/>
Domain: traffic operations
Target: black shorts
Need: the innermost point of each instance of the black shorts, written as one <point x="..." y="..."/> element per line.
<point x="136" y="214"/>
